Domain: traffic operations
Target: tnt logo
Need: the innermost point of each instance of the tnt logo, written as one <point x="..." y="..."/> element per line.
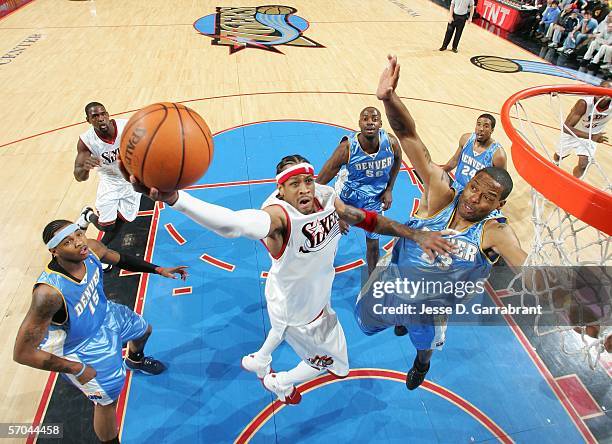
<point x="321" y="361"/>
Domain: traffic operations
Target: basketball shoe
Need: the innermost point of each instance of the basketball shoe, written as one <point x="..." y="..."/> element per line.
<point x="251" y="364"/>
<point x="415" y="377"/>
<point x="286" y="394"/>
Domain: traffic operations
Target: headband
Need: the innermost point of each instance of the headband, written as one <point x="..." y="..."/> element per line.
<point x="61" y="235"/>
<point x="300" y="168"/>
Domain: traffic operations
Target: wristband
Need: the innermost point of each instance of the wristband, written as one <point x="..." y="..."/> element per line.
<point x="133" y="263"/>
<point x="81" y="371"/>
<point x="370" y="220"/>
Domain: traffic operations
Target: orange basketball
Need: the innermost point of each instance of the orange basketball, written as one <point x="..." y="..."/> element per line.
<point x="167" y="146"/>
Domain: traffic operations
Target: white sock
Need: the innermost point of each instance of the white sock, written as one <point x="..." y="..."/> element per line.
<point x="302" y="372"/>
<point x="273" y="340"/>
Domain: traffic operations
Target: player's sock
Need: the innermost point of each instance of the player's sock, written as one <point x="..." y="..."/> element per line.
<point x="135" y="356"/>
<point x="273" y="340"/>
<point x="302" y="372"/>
<point x="420" y="366"/>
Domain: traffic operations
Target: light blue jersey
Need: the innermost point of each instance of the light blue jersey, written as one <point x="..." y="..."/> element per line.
<point x="439" y="280"/>
<point x="85" y="302"/>
<point x="367" y="175"/>
<point x="470" y="162"/>
<point x="93" y="332"/>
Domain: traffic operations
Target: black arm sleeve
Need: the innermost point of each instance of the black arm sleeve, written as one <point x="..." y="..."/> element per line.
<point x="134" y="263"/>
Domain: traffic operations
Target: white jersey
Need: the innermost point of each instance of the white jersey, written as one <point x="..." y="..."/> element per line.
<point x="106" y="150"/>
<point x="594" y="120"/>
<point x="300" y="281"/>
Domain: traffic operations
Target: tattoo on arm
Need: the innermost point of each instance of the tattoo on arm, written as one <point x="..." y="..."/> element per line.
<point x="352" y="215"/>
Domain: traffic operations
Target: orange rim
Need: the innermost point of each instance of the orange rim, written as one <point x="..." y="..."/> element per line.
<point x="584" y="201"/>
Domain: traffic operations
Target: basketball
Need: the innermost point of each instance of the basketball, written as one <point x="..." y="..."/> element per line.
<point x="167" y="146"/>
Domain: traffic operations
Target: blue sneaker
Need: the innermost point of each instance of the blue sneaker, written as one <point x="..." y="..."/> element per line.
<point x="148" y="366"/>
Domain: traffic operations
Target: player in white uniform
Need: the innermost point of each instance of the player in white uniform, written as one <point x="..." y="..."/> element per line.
<point x="583" y="128"/>
<point x="299" y="226"/>
<point x="98" y="147"/>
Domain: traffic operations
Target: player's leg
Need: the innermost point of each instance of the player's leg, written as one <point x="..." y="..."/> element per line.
<point x="372" y="253"/>
<point x="427" y="333"/>
<point x="580" y="168"/>
<point x="322" y="347"/>
<point x="259" y="362"/>
<point x="135" y="331"/>
<point x="105" y="423"/>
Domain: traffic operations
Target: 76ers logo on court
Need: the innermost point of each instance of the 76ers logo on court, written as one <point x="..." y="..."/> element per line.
<point x="260" y="27"/>
<point x="320" y="232"/>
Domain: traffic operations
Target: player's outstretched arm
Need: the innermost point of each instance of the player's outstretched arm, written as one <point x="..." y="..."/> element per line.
<point x="453" y="161"/>
<point x="503" y="240"/>
<point x="46" y="301"/>
<point x="84" y="162"/>
<point x="402" y="123"/>
<point x="431" y="242"/>
<point x="134" y="263"/>
<point x="339" y="157"/>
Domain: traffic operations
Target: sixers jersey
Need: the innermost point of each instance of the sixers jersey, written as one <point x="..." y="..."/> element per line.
<point x="470" y="162"/>
<point x="106" y="150"/>
<point x="299" y="282"/>
<point x="368" y="174"/>
<point x="594" y="121"/>
<point x="470" y="263"/>
<point x="85" y="304"/>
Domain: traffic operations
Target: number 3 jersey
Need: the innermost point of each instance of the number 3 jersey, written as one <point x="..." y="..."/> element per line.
<point x="470" y="162"/>
<point x="85" y="304"/>
<point x="368" y="174"/>
<point x="469" y="264"/>
<point x="300" y="280"/>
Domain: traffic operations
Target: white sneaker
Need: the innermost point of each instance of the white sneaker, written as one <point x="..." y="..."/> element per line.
<point x="251" y="364"/>
<point x="83" y="220"/>
<point x="286" y="394"/>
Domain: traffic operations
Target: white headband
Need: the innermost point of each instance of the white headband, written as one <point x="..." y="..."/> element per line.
<point x="61" y="235"/>
<point x="300" y="168"/>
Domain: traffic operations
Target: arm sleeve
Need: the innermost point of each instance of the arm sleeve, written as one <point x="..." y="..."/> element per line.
<point x="253" y="224"/>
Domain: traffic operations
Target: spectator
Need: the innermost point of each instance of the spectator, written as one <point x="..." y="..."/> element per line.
<point x="600" y="10"/>
<point x="550" y="15"/>
<point x="580" y="33"/>
<point x="558" y="24"/>
<point x="601" y="36"/>
<point x="568" y="24"/>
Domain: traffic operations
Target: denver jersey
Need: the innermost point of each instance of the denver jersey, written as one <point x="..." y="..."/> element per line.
<point x="368" y="174"/>
<point x="106" y="150"/>
<point x="299" y="282"/>
<point x="470" y="263"/>
<point x="470" y="162"/>
<point x="84" y="302"/>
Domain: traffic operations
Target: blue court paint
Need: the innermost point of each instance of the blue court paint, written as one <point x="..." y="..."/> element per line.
<point x="205" y="396"/>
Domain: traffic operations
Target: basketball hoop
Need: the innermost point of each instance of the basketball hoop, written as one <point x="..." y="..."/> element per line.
<point x="572" y="217"/>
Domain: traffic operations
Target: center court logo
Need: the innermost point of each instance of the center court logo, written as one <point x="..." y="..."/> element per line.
<point x="260" y="27"/>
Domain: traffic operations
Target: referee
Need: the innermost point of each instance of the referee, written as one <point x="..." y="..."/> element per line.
<point x="460" y="11"/>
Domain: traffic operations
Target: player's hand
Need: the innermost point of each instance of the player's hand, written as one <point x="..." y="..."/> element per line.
<point x="171" y="272"/>
<point x="87" y="375"/>
<point x="450" y="19"/>
<point x="434" y="244"/>
<point x="344" y="227"/>
<point x="600" y="138"/>
<point x="90" y="163"/>
<point x="388" y="79"/>
<point x="387" y="199"/>
<point x="169" y="197"/>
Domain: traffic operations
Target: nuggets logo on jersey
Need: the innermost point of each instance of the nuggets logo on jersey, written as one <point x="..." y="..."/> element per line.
<point x="319" y="232"/>
<point x="260" y="27"/>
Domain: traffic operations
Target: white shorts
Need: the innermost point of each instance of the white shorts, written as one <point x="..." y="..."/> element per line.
<point x="321" y="344"/>
<point x="116" y="199"/>
<point x="568" y="144"/>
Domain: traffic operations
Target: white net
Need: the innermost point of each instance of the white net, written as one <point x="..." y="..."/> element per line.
<point x="582" y="318"/>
